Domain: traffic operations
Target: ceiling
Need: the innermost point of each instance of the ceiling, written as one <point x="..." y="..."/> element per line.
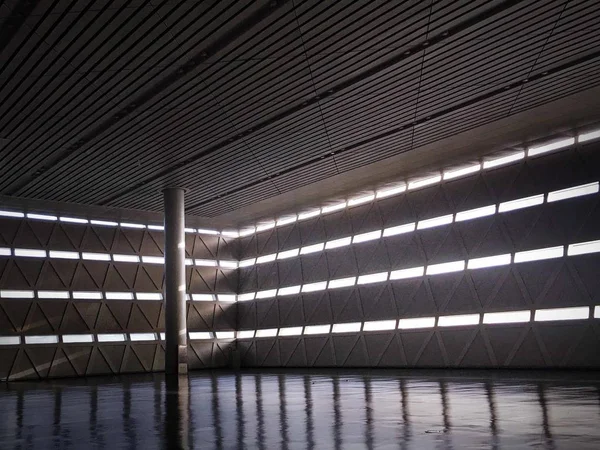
<point x="107" y="102"/>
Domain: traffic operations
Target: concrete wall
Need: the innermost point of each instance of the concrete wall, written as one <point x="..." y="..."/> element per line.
<point x="567" y="281"/>
<point x="56" y="316"/>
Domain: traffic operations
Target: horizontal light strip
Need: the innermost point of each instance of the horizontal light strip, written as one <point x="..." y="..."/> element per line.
<point x="352" y="327"/>
<point x="588" y="136"/>
<point x="333" y="208"/>
<point x="290" y="290"/>
<point x="5" y="251"/>
<point x="95" y="256"/>
<point x="10" y="340"/>
<point x="247" y="262"/>
<point x="14" y="214"/>
<point x="229" y="298"/>
<point x="458" y="320"/>
<point x="136" y="337"/>
<point x="521" y="203"/>
<point x="266" y="294"/>
<point x="341" y="282"/>
<point x="416" y="323"/>
<point x="507" y="317"/>
<point x="112" y="337"/>
<point x="265" y="226"/>
<point x="388" y="192"/>
<point x="104" y="223"/>
<point x="492" y="318"/>
<point x="245" y="334"/>
<point x="288" y="253"/>
<point x="313" y="287"/>
<point x="49" y="339"/>
<point x="82" y="295"/>
<point x="42" y="217"/>
<point x="73" y="220"/>
<point x="503" y="160"/>
<point x="138" y="226"/>
<point x="461" y="172"/>
<point x="489" y="261"/>
<point x="63" y="255"/>
<point x="153" y="259"/>
<point x="575" y="313"/>
<point x="286" y="220"/>
<point x="77" y="338"/>
<point x="373" y="278"/>
<point x="435" y="222"/>
<point x="269" y="332"/>
<point x="539" y="254"/>
<point x="266" y="258"/>
<point x="416" y="184"/>
<point x="228" y="264"/>
<point x="454" y="266"/>
<point x="317" y="329"/>
<point x="203" y="297"/>
<point x="119" y="296"/>
<point x="309" y="214"/>
<point x="148" y="296"/>
<point x="475" y="213"/>
<point x="379" y="325"/>
<point x="29" y="253"/>
<point x="312" y="248"/>
<point x="360" y="200"/>
<point x="583" y="248"/>
<point x="225" y="334"/>
<point x="12" y="293"/>
<point x="156" y="227"/>
<point x="400" y="229"/>
<point x="290" y="331"/>
<point x="538" y="150"/>
<point x="364" y="237"/>
<point x="338" y="243"/>
<point x="54" y="295"/>
<point x="200" y="335"/>
<point x="126" y="258"/>
<point x="246" y="297"/>
<point x="407" y="273"/>
<point x="572" y="192"/>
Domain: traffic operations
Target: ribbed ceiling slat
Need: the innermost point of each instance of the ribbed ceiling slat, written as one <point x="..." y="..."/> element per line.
<point x="107" y="102"/>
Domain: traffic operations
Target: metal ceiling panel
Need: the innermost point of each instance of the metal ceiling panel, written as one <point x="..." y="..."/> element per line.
<point x="105" y="103"/>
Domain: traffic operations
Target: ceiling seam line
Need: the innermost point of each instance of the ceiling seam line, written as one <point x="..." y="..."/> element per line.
<point x="538" y="56"/>
<point x="464" y="25"/>
<point x="312" y="80"/>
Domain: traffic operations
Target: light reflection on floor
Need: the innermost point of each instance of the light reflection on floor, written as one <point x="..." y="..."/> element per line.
<point x="300" y="409"/>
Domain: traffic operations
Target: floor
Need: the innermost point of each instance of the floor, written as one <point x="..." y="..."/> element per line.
<point x="301" y="409"/>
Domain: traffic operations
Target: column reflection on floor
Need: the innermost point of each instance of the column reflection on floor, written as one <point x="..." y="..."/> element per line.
<point x="311" y="411"/>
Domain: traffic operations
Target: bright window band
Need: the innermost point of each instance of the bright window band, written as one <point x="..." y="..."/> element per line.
<point x="444" y="321"/>
<point x="431" y="270"/>
<point x="469" y="169"/>
<point x="461" y="216"/>
<point x="404" y="324"/>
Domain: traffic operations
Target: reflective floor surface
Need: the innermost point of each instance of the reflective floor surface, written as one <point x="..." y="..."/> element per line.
<point x="300" y="409"/>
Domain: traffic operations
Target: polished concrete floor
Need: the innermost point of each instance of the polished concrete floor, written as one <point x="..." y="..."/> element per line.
<point x="298" y="410"/>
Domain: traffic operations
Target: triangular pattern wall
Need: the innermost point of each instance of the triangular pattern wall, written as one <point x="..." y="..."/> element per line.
<point x="562" y="282"/>
<point x="21" y="317"/>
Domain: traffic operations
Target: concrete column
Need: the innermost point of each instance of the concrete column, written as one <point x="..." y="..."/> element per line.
<point x="175" y="308"/>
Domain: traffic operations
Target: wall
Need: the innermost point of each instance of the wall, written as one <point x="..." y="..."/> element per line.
<point x="564" y="281"/>
<point x="130" y="313"/>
